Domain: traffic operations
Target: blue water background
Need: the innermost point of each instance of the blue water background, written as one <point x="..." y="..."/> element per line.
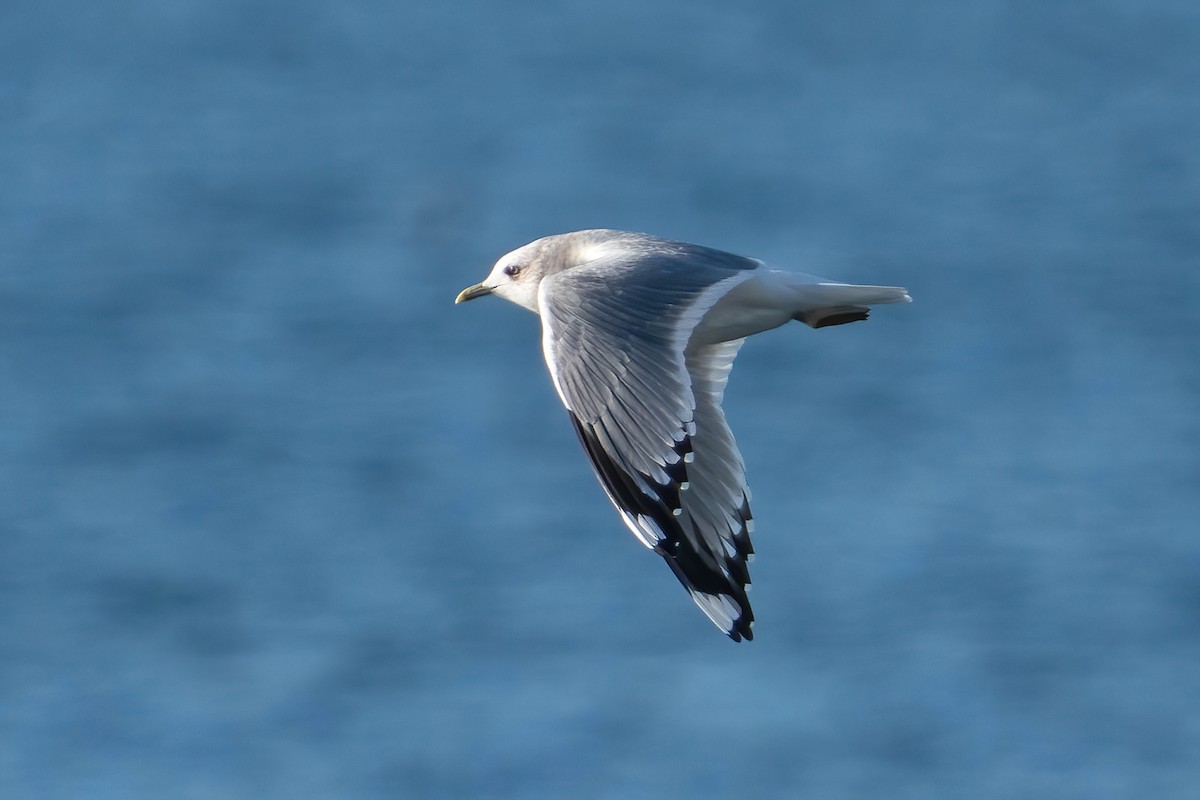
<point x="277" y="520"/>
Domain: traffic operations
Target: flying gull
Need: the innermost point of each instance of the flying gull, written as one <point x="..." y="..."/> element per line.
<point x="639" y="334"/>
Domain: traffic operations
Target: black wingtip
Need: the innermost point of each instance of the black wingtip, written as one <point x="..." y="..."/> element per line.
<point x="699" y="573"/>
<point x="741" y="631"/>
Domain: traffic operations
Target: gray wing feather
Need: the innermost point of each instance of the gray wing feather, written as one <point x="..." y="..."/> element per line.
<point x="717" y="496"/>
<point x="647" y="409"/>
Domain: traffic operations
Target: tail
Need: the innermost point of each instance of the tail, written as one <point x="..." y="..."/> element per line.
<point x="825" y="304"/>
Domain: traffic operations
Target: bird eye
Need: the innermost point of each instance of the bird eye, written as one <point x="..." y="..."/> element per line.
<point x="512" y="270"/>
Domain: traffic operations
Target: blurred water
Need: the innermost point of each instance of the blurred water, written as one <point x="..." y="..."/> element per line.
<point x="280" y="521"/>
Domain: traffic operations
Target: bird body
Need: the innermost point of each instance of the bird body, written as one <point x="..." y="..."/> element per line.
<point x="639" y="335"/>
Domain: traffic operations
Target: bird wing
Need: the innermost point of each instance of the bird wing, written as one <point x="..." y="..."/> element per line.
<point x="647" y="408"/>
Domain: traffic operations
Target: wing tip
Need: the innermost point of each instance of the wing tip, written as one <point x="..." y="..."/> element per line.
<point x="741" y="631"/>
<point x="718" y="588"/>
<point x="730" y="613"/>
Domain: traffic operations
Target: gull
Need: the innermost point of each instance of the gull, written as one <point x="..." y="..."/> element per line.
<point x="639" y="334"/>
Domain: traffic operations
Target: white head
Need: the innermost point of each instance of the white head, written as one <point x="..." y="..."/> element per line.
<point x="518" y="274"/>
